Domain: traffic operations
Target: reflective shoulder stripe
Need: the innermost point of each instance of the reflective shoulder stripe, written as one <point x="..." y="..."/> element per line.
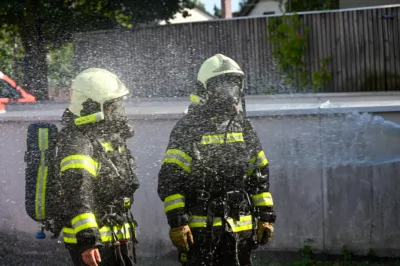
<point x="174" y="202"/>
<point x="84" y="221"/>
<point x="79" y="161"/>
<point x="263" y="199"/>
<point x="261" y="159"/>
<point x="244" y="223"/>
<point x="256" y="162"/>
<point x="250" y="171"/>
<point x="220" y="138"/>
<point x="179" y="158"/>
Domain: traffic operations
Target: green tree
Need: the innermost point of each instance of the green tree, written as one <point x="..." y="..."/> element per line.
<point x="60" y="70"/>
<point x="289" y="47"/>
<point x="11" y="51"/>
<point x="217" y="12"/>
<point x="199" y="4"/>
<point x="40" y="23"/>
<point x="242" y="3"/>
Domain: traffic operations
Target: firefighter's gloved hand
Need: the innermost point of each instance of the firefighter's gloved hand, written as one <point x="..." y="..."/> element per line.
<point x="264" y="232"/>
<point x="181" y="237"/>
<point x="91" y="256"/>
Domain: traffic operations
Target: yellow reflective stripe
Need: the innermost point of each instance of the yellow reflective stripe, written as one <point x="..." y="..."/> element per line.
<point x="194" y="98"/>
<point x="263" y="199"/>
<point x="79" y="161"/>
<point x="244" y="223"/>
<point x="105" y="233"/>
<point x="107" y="146"/>
<point x="40" y="201"/>
<point x="251" y="171"/>
<point x="180" y="153"/>
<point x="179" y="158"/>
<point x="177" y="162"/>
<point x="122" y="232"/>
<point x="41" y="179"/>
<point x="219" y="138"/>
<point x="174" y="202"/>
<point x="257" y="162"/>
<point x="127" y="203"/>
<point x="183" y="257"/>
<point x="69" y="236"/>
<point x="201" y="221"/>
<point x="84" y="221"/>
<point x="261" y="159"/>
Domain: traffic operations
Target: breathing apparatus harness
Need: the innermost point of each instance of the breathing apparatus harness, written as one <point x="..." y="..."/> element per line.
<point x="114" y="220"/>
<point x="229" y="200"/>
<point x="113" y="217"/>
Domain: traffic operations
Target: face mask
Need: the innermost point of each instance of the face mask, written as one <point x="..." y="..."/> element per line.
<point x="224" y="94"/>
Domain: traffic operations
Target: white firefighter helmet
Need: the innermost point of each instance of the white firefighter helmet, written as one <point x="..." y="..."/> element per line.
<point x="97" y="84"/>
<point x="217" y="65"/>
<point x="214" y="66"/>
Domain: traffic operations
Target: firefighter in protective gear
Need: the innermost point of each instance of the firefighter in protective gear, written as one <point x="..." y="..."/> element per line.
<point x="97" y="172"/>
<point x="214" y="178"/>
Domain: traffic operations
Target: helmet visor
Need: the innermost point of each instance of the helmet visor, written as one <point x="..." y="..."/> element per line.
<point x="115" y="108"/>
<point x="228" y="87"/>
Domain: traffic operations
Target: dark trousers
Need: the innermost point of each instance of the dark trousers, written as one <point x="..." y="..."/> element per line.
<point x="227" y="251"/>
<point x="107" y="254"/>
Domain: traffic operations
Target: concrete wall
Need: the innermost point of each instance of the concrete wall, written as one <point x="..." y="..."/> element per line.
<point x="317" y="196"/>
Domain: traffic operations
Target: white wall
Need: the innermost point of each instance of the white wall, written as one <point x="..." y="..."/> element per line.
<point x="266" y="6"/>
<point x="195" y="15"/>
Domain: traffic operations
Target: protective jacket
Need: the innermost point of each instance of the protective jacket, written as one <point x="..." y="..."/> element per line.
<point x="206" y="158"/>
<point x="96" y="171"/>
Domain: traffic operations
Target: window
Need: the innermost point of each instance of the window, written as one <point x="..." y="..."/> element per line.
<point x="7" y="91"/>
<point x="269" y="12"/>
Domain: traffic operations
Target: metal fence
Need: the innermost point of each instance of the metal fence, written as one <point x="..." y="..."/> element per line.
<point x="162" y="61"/>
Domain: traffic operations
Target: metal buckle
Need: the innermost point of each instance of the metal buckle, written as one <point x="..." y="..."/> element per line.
<point x="203" y="195"/>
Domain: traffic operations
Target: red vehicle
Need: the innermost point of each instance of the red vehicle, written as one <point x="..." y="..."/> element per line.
<point x="11" y="92"/>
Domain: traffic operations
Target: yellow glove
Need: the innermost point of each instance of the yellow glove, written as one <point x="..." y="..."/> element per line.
<point x="181" y="237"/>
<point x="264" y="232"/>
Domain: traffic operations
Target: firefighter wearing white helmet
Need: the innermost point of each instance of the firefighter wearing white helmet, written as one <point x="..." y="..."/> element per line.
<point x="214" y="179"/>
<point x="96" y="171"/>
